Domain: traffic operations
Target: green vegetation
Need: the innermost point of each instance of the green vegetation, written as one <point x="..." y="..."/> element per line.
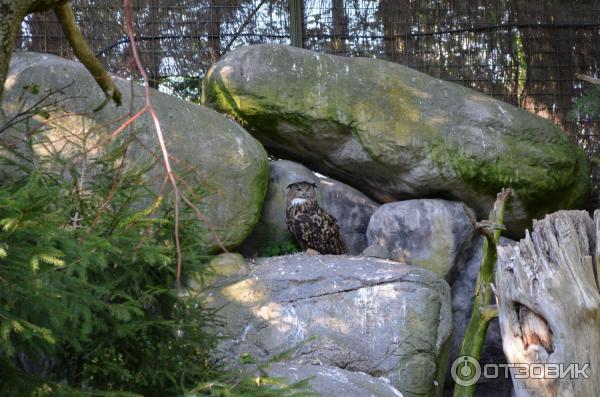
<point x="86" y="275"/>
<point x="286" y="247"/>
<point x="588" y="106"/>
<point x="88" y="304"/>
<point x="483" y="310"/>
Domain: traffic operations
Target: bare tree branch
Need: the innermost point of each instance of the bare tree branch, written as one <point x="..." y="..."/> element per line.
<point x="589" y="79"/>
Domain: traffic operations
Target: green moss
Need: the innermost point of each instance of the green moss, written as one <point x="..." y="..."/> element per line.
<point x="539" y="174"/>
<point x="297" y="100"/>
<point x="261" y="184"/>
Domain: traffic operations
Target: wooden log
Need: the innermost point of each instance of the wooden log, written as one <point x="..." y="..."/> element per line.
<point x="549" y="306"/>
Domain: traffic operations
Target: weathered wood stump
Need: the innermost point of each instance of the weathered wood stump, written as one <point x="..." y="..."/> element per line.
<point x="549" y="307"/>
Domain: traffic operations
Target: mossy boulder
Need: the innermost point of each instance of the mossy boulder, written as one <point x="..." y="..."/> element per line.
<point x="395" y="133"/>
<point x="222" y="168"/>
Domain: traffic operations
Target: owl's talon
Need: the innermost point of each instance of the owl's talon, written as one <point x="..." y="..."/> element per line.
<point x="311" y="252"/>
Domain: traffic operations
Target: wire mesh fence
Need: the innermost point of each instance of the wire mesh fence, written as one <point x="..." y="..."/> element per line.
<point x="524" y="52"/>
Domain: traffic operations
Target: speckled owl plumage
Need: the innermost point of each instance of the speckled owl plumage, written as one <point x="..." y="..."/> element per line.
<point x="312" y="226"/>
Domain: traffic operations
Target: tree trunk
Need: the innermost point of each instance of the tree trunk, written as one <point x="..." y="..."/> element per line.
<point x="396" y="20"/>
<point x="13" y="13"/>
<point x="214" y="29"/>
<point x="483" y="312"/>
<point x="152" y="56"/>
<point x="549" y="306"/>
<point x="339" y="21"/>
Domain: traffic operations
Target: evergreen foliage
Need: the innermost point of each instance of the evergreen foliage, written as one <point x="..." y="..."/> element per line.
<point x="588" y="106"/>
<point x="86" y="284"/>
<point x="87" y="276"/>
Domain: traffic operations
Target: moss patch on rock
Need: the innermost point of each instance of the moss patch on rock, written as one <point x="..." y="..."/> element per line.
<point x="395" y="133"/>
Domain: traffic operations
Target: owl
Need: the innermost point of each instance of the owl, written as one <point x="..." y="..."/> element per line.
<point x="310" y="224"/>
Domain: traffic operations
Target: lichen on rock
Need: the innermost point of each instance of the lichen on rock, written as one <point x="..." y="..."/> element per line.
<point x="395" y="133"/>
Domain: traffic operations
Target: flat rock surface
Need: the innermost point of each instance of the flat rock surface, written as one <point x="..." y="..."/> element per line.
<point x="361" y="314"/>
<point x="330" y="381"/>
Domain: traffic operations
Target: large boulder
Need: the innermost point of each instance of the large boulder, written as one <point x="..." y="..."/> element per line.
<point x="431" y="233"/>
<point x="333" y="381"/>
<point x="351" y="208"/>
<point x="224" y="170"/>
<point x="395" y="133"/>
<point x="361" y="314"/>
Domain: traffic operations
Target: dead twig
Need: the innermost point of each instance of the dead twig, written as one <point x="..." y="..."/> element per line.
<point x="589" y="79"/>
<point x="163" y="147"/>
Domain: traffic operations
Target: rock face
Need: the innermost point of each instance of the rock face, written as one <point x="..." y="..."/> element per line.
<point x="220" y="162"/>
<point x="395" y="133"/>
<point x="351" y="208"/>
<point x="221" y="268"/>
<point x="332" y="381"/>
<point x="462" y="305"/>
<point x="361" y="314"/>
<point x="430" y="233"/>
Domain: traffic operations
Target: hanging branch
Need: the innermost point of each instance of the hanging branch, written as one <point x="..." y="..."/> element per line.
<point x="65" y="15"/>
<point x="482" y="312"/>
<point x="159" y="133"/>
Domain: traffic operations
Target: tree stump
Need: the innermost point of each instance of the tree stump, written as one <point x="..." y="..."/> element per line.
<point x="549" y="307"/>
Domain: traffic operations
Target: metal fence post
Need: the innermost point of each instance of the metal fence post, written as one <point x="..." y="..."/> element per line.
<point x="296" y="23"/>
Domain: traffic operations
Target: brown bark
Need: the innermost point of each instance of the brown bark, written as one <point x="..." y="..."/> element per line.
<point x="395" y="23"/>
<point x="15" y="11"/>
<point x="339" y="28"/>
<point x="214" y="28"/>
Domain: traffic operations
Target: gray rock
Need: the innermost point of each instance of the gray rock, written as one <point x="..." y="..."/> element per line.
<point x="225" y="169"/>
<point x="330" y="381"/>
<point x="221" y="269"/>
<point x="396" y="134"/>
<point x="360" y="314"/>
<point x="431" y="233"/>
<point x="351" y="208"/>
<point x="376" y="251"/>
<point x="462" y="305"/>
